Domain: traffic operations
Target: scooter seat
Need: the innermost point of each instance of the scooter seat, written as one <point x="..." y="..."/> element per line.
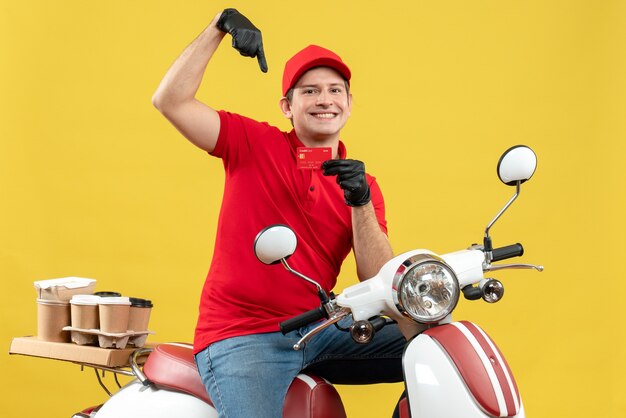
<point x="172" y="366"/>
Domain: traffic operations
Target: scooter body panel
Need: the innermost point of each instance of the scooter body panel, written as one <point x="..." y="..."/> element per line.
<point x="447" y="377"/>
<point x="136" y="401"/>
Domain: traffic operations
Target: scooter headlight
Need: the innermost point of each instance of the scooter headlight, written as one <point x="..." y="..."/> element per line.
<point x="425" y="288"/>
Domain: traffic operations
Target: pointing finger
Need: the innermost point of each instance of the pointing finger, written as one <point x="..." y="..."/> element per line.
<point x="261" y="58"/>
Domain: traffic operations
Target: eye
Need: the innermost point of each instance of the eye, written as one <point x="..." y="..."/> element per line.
<point x="308" y="91"/>
<point x="336" y="90"/>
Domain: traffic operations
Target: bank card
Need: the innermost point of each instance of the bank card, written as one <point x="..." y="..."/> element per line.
<point x="312" y="158"/>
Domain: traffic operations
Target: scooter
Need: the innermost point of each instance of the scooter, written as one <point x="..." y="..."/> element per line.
<point x="451" y="369"/>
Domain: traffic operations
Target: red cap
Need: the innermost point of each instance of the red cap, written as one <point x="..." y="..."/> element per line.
<point x="309" y="57"/>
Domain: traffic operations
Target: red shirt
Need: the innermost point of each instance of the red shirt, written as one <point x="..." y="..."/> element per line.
<point x="262" y="187"/>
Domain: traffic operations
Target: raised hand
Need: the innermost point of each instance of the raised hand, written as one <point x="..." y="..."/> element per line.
<point x="247" y="38"/>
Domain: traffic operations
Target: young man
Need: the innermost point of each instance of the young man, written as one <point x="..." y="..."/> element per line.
<point x="246" y="364"/>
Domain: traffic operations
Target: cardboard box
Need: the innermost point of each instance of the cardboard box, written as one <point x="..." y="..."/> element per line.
<point x="64" y="288"/>
<point x="31" y="346"/>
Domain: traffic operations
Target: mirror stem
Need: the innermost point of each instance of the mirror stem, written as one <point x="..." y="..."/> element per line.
<point x="487" y="241"/>
<point x="321" y="293"/>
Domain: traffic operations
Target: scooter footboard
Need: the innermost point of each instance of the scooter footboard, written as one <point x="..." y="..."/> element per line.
<point x="456" y="370"/>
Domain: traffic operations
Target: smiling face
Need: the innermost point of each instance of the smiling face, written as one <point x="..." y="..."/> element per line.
<point x="319" y="107"/>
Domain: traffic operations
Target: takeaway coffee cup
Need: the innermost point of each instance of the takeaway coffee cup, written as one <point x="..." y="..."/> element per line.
<point x="139" y="314"/>
<point x="85" y="311"/>
<point x="114" y="312"/>
<point x="52" y="316"/>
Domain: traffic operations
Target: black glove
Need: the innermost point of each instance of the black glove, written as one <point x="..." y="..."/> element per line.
<point x="351" y="178"/>
<point x="247" y="38"/>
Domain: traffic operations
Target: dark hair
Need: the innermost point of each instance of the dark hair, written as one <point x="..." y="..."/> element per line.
<point x="289" y="95"/>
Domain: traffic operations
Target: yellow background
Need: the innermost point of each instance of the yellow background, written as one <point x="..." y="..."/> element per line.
<point x="95" y="183"/>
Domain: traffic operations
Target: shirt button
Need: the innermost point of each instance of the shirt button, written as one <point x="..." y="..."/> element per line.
<point x="312" y="188"/>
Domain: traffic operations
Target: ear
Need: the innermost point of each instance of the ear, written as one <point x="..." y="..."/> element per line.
<point x="285" y="107"/>
<point x="349" y="104"/>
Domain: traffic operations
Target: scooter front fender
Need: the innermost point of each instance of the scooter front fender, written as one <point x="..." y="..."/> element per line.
<point x="137" y="401"/>
<point x="456" y="371"/>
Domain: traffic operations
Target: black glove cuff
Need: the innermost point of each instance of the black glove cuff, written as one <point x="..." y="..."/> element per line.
<point x="222" y="23"/>
<point x="364" y="200"/>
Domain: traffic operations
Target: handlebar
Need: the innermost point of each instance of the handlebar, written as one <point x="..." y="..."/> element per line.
<point x="301" y="320"/>
<point x="509" y="251"/>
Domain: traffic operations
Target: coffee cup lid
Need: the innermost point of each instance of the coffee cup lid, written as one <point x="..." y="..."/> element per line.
<point x="85" y="300"/>
<point x="115" y="300"/>
<point x="52" y="302"/>
<point x="107" y="294"/>
<point x="140" y="303"/>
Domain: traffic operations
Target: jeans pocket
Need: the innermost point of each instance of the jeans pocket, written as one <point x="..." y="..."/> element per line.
<point x="203" y="364"/>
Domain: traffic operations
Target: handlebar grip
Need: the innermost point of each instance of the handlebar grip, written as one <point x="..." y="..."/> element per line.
<point x="302" y="320"/>
<point x="510" y="251"/>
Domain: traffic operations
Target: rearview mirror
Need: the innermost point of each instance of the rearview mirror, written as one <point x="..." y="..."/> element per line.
<point x="274" y="243"/>
<point x="518" y="163"/>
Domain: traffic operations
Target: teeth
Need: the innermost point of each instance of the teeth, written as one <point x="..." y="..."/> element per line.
<point x="324" y="115"/>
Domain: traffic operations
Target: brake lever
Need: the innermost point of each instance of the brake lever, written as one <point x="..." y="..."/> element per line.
<point x="492" y="267"/>
<point x="334" y="318"/>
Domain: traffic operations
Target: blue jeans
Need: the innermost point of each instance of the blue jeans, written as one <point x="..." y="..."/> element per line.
<point x="248" y="376"/>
